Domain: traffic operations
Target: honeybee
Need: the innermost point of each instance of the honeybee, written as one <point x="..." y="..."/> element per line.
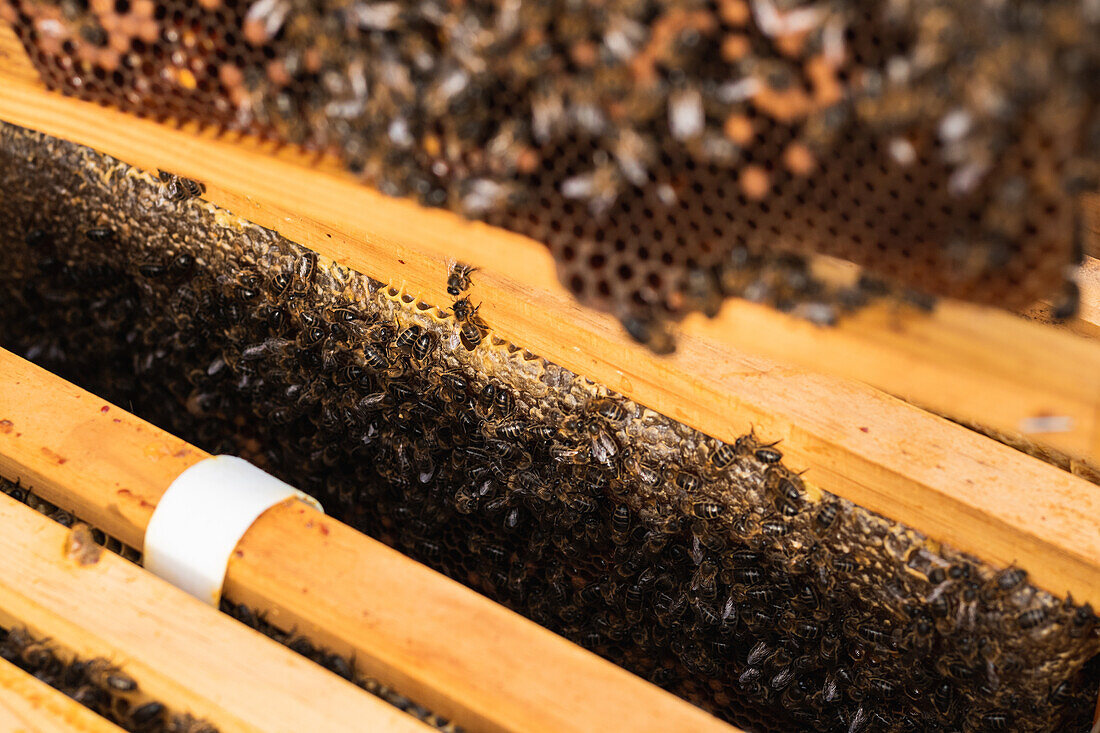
<point x="381" y="334"/>
<point x="599" y="187"/>
<point x="179" y="188"/>
<point x="687" y="481"/>
<point x="471" y="335"/>
<point x="458" y="281"/>
<point x="723" y="456"/>
<point x="348" y="375"/>
<point x="423" y="346"/>
<point x="99" y="235"/>
<point x="144" y="717"/>
<point x="498" y="399"/>
<point x="305" y="268"/>
<point x="106" y="676"/>
<point x="464" y="310"/>
<point x="826" y="516"/>
<point x="707" y="509"/>
<point x="1082" y="622"/>
<point x="406" y="339"/>
<point x="470" y="325"/>
<point x="280" y="284"/>
<point x="620" y="524"/>
<point x="648" y="331"/>
<point x="768" y="454"/>
<point x="703" y="582"/>
<point x="341" y="314"/>
<point x="311" y="337"/>
<point x="513" y="430"/>
<point x="542" y="432"/>
<point x="1068" y="302"/>
<point x="608" y="409"/>
<point x="603" y="447"/>
<point x="787" y="489"/>
<point x="375" y="358"/>
<point x="1010" y="579"/>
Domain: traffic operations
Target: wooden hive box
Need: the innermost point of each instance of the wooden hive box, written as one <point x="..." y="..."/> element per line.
<point x="860" y="407"/>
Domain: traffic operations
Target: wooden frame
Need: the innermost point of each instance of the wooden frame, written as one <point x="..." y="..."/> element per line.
<point x="972" y="363"/>
<point x="440" y="643"/>
<point x="177" y="648"/>
<point x="28" y="705"/>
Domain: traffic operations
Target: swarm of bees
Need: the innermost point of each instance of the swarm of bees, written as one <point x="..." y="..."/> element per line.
<point x="651" y="145"/>
<point x="712" y="568"/>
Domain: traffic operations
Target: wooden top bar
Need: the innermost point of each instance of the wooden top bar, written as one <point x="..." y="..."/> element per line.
<point x="28" y="705"/>
<point x="431" y="638"/>
<point x="178" y="649"/>
<point x="977" y="364"/>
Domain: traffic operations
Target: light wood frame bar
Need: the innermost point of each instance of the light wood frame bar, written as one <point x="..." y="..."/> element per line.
<point x="28" y="705"/>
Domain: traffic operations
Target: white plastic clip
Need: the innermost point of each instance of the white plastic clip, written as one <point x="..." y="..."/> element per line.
<point x="201" y="518"/>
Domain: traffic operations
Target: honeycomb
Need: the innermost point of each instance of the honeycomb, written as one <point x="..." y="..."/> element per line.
<point x="710" y="569"/>
<point x="17" y="650"/>
<point x="661" y="150"/>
